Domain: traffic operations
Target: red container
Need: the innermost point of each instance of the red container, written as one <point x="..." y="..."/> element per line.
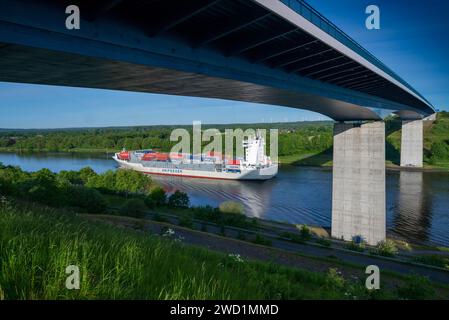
<point x="161" y="156"/>
<point x="148" y="156"/>
<point x="234" y="162"/>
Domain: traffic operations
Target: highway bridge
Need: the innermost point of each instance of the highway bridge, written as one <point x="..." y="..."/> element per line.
<point x="280" y="52"/>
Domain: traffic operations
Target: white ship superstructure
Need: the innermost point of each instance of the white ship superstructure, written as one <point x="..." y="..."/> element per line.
<point x="255" y="165"/>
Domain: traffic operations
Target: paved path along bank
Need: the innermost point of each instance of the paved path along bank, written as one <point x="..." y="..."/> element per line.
<point x="309" y="257"/>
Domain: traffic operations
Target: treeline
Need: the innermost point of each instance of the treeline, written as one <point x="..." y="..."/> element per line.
<point x="135" y="193"/>
<point x="294" y="138"/>
<point x="88" y="139"/>
<point x="83" y="189"/>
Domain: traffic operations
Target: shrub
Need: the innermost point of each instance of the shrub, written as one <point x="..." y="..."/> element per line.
<point x="185" y="220"/>
<point x="233" y="214"/>
<point x="159" y="196"/>
<point x="324" y="242"/>
<point x="6" y="187"/>
<point x="179" y="199"/>
<point x="434" y="260"/>
<point x="133" y="208"/>
<point x="439" y="151"/>
<point x="305" y="233"/>
<point x="42" y="187"/>
<point x="89" y="199"/>
<point x="262" y="241"/>
<point x="386" y="248"/>
<point x="416" y="288"/>
<point x="149" y="202"/>
<point x="235" y="219"/>
<point x="294" y="237"/>
<point x="334" y="279"/>
<point x="231" y="207"/>
<point x="207" y="213"/>
<point x="357" y="244"/>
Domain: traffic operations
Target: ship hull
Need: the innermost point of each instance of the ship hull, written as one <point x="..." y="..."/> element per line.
<point x="245" y="174"/>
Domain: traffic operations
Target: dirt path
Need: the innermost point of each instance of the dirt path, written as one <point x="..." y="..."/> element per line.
<point x="311" y="258"/>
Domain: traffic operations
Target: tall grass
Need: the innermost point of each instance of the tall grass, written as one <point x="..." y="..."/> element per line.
<point x="38" y="243"/>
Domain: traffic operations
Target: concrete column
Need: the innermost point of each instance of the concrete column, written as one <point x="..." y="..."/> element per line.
<point x="358" y="182"/>
<point x="412" y="143"/>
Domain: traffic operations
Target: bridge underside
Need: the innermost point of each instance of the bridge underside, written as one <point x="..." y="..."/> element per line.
<point x="41" y="66"/>
<point x="263" y="51"/>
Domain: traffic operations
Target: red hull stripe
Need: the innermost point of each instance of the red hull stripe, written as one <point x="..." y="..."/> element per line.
<point x="188" y="176"/>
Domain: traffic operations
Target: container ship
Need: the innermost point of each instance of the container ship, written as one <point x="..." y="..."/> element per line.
<point x="255" y="165"/>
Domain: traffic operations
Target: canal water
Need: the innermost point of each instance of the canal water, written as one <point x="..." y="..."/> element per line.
<point x="417" y="202"/>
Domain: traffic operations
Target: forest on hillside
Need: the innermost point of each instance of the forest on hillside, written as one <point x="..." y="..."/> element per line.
<point x="296" y="139"/>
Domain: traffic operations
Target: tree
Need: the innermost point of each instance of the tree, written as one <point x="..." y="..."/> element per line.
<point x="179" y="199"/>
<point x="439" y="151"/>
<point x="89" y="199"/>
<point x="42" y="187"/>
<point x="72" y="177"/>
<point x="130" y="181"/>
<point x="86" y="173"/>
<point x="159" y="196"/>
<point x="104" y="182"/>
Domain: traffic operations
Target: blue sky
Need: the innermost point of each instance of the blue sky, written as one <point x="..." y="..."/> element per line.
<point x="412" y="41"/>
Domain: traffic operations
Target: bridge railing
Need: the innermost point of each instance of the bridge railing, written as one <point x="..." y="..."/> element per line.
<point x="309" y="13"/>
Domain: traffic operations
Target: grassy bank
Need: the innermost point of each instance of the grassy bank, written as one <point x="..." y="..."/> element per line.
<point x="38" y="243"/>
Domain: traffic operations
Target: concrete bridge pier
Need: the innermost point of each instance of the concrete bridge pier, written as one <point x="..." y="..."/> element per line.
<point x="412" y="143"/>
<point x="358" y="185"/>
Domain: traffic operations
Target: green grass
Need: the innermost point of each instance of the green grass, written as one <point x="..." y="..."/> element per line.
<point x="308" y="159"/>
<point x="38" y="243"/>
<point x="437" y="131"/>
<point x="434" y="260"/>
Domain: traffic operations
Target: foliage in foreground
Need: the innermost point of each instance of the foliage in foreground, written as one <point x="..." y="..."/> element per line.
<point x="386" y="248"/>
<point x="37" y="244"/>
<point x="81" y="189"/>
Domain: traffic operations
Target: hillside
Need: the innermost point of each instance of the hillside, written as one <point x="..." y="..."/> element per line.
<point x="436" y="141"/>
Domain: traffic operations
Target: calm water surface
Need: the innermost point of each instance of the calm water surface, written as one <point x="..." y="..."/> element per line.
<point x="417" y="202"/>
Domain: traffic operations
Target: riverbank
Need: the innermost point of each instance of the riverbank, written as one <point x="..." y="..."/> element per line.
<point x="126" y="258"/>
<point x="404" y="263"/>
<point x="322" y="160"/>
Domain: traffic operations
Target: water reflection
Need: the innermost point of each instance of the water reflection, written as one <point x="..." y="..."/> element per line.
<point x="255" y="195"/>
<point x="413" y="213"/>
